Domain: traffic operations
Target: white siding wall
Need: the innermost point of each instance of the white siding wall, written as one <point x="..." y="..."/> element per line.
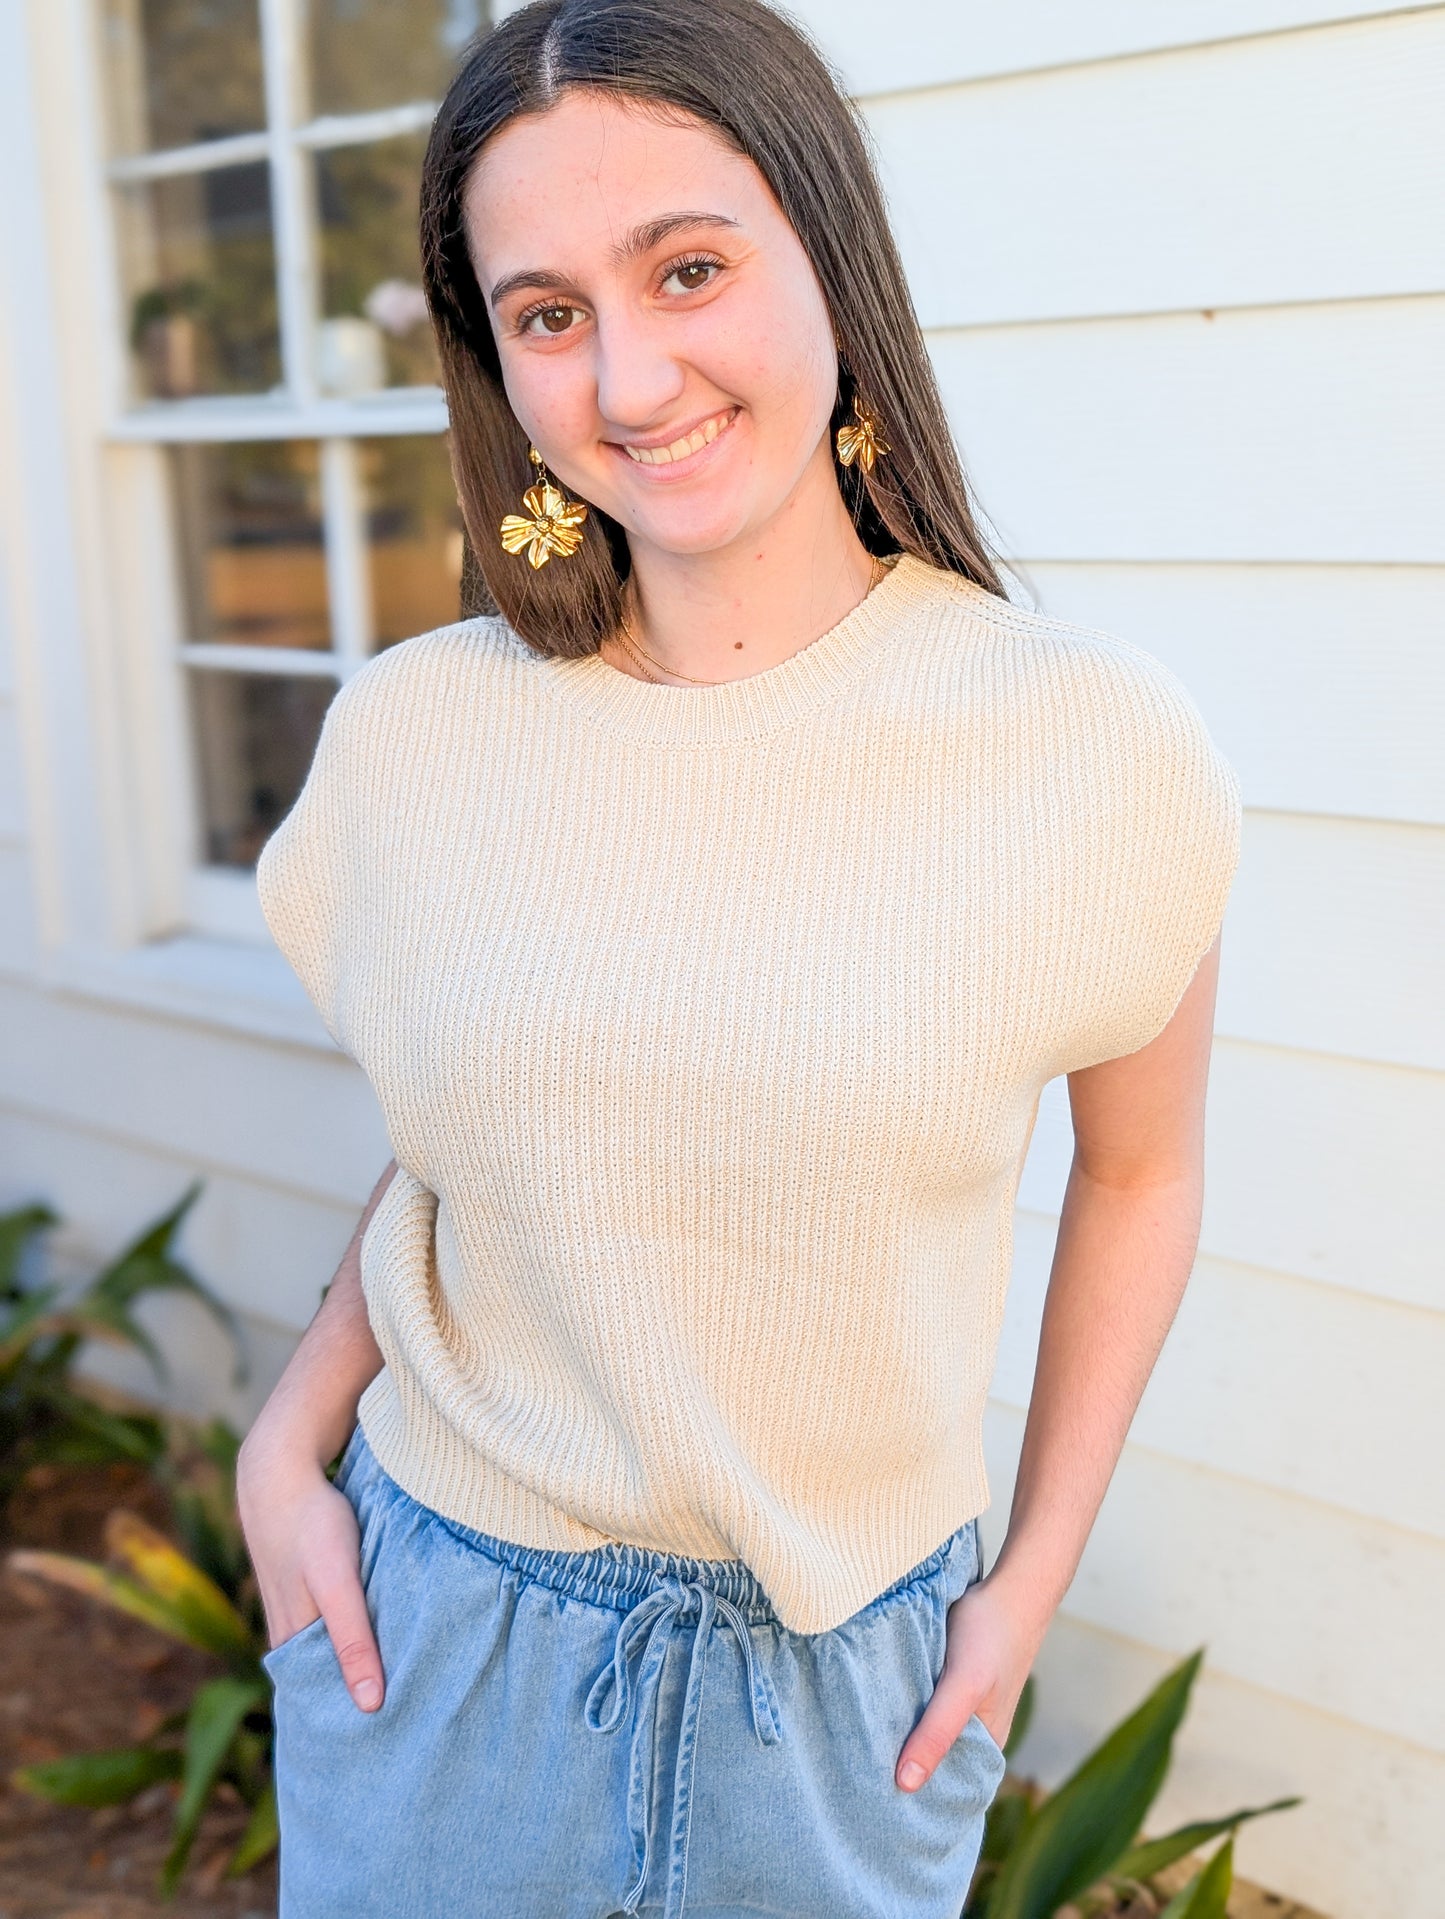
<point x="1184" y="275"/>
<point x="1183" y="272"/>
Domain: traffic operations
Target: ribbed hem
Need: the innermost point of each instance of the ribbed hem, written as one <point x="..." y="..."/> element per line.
<point x="816" y="1571"/>
<point x="760" y="704"/>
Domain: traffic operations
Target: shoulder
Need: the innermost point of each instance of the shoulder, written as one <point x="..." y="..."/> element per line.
<point x="1034" y="651"/>
<point x="416" y="677"/>
<point x="1092" y="695"/>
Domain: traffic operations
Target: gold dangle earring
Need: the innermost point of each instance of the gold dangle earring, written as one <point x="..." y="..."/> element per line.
<point x="552" y="523"/>
<point x="862" y="442"/>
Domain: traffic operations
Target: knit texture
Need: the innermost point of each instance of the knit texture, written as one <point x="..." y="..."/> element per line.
<point x="709" y="1027"/>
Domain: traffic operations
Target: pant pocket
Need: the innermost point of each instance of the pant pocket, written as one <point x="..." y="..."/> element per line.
<point x="279" y="1653"/>
<point x="974" y="1747"/>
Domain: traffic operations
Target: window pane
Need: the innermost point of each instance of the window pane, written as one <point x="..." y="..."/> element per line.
<point x="200" y="282"/>
<point x="375" y="331"/>
<point x="249" y="535"/>
<point x="180" y="71"/>
<point x="414" y="535"/>
<point x="374" y="53"/>
<point x="255" y="734"/>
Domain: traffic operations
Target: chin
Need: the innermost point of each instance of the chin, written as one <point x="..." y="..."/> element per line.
<point x="702" y="529"/>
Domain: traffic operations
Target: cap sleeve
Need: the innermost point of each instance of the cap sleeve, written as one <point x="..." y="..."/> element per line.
<point x="1159" y="856"/>
<point x="303" y="869"/>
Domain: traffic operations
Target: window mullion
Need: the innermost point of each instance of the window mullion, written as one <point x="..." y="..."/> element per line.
<point x="348" y="579"/>
<point x="281" y="29"/>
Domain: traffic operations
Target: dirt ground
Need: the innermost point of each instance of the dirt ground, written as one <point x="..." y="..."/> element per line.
<point x="75" y="1676"/>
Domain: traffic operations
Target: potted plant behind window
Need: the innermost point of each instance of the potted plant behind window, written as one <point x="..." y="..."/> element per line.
<point x="165" y="337"/>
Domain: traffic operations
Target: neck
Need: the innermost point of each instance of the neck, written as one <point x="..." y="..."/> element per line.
<point x="750" y="605"/>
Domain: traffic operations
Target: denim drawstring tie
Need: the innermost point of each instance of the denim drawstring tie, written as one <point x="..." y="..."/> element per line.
<point x="671" y="1602"/>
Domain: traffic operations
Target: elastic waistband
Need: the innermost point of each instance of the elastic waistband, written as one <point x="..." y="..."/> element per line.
<point x="618" y="1574"/>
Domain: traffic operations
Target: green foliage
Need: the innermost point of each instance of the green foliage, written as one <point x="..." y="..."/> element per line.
<point x="99" y="1778"/>
<point x="43" y="1419"/>
<point x="1207" y="1894"/>
<point x="1080" y="1843"/>
<point x="227" y="1732"/>
<point x="217" y="1716"/>
<point x="197" y="1589"/>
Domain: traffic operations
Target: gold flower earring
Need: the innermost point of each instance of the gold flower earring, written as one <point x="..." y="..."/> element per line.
<point x="552" y="523"/>
<point x="862" y="442"/>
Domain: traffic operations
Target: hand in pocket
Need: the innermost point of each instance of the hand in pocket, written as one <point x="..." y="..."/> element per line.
<point x="305" y="1545"/>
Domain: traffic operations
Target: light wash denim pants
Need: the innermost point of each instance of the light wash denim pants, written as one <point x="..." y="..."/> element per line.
<point x="576" y="1735"/>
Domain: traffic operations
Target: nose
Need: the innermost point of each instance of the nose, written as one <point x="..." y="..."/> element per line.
<point x="638" y="377"/>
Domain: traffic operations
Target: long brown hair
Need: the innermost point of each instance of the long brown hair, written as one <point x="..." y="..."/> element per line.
<point x="751" y="75"/>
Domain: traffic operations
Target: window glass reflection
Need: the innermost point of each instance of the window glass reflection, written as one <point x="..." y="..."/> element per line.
<point x="199" y="270"/>
<point x="366" y="54"/>
<point x="180" y="71"/>
<point x="249" y="538"/>
<point x="254" y="735"/>
<point x="375" y="331"/>
<point x="414" y="535"/>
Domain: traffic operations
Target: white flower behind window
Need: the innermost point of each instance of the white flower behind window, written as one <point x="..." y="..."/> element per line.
<point x="396" y="306"/>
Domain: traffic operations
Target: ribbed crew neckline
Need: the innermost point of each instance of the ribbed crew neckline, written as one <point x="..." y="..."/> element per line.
<point x="760" y="703"/>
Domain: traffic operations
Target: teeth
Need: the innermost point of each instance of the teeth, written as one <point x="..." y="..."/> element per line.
<point x="679" y="450"/>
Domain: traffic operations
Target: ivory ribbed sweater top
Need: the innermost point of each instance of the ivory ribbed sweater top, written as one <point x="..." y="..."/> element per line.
<point x="709" y="1027"/>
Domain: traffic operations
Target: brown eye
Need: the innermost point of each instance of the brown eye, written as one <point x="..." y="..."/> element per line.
<point x="690" y="275"/>
<point x="555" y="318"/>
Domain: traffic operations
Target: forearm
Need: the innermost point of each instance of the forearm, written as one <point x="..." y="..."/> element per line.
<point x="312" y="1408"/>
<point x="1120" y="1268"/>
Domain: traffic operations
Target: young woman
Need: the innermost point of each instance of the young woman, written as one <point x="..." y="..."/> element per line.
<point x="708" y="917"/>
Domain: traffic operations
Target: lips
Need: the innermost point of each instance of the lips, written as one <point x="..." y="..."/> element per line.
<point x="688" y="443"/>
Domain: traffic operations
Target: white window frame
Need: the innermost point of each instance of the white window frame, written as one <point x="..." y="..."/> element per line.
<point x="124" y="910"/>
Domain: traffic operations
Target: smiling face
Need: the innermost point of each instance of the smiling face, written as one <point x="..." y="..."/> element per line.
<point x="662" y="335"/>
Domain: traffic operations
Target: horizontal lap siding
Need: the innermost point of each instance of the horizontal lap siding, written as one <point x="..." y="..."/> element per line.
<point x="1184" y="1556"/>
<point x="1312" y="1390"/>
<point x="290" y="1117"/>
<point x="12" y="825"/>
<point x="1296" y="168"/>
<point x="265" y="1248"/>
<point x="1295" y="434"/>
<point x="911" y="48"/>
<point x="18" y="931"/>
<point x="1337" y="939"/>
<point x="1320" y="1166"/>
<point x="1182" y="274"/>
<point x="17" y="908"/>
<point x="1324" y="683"/>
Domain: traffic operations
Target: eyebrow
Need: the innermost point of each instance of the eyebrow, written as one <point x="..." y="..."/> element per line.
<point x="642" y="239"/>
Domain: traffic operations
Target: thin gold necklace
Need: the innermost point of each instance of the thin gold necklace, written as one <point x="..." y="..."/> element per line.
<point x="633" y="647"/>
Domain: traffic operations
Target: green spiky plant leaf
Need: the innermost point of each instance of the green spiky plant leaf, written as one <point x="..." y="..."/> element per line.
<point x="44" y="1418"/>
<point x="261" y="1837"/>
<point x="18" y="1231"/>
<point x="1207" y="1894"/>
<point x="99" y="1778"/>
<point x="149" y="1265"/>
<point x="1141" y="1862"/>
<point x="162" y="1588"/>
<point x="216" y="1716"/>
<point x="1083" y="1828"/>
